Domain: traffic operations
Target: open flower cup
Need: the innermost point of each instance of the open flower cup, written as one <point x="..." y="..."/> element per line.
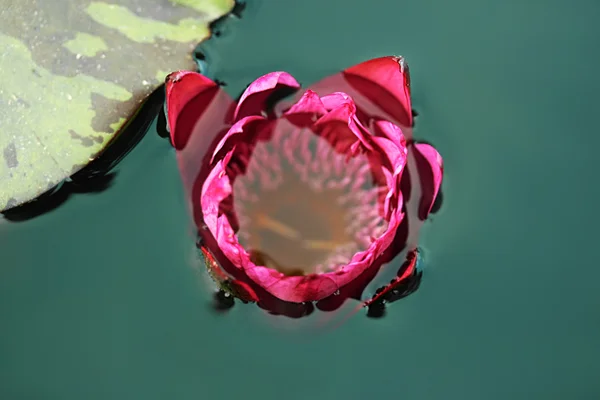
<point x="299" y="203"/>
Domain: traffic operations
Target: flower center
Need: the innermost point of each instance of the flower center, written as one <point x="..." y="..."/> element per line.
<point x="302" y="207"/>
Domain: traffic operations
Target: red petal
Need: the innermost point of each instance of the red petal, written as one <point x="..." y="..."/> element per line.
<point x="386" y="82"/>
<point x="188" y="95"/>
<point x="380" y="88"/>
<point x="197" y="114"/>
<point x="254" y="98"/>
<point x="406" y="270"/>
<point x="244" y="291"/>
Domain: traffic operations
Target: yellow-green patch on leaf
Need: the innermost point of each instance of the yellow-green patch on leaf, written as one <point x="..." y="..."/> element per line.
<point x="71" y="83"/>
<point x="86" y="45"/>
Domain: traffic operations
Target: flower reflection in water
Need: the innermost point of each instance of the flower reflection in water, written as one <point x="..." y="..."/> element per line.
<point x="301" y="203"/>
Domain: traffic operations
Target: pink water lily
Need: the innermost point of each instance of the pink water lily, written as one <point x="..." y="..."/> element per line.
<point x="302" y="201"/>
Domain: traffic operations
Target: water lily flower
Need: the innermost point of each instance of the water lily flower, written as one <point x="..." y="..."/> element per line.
<point x="300" y="203"/>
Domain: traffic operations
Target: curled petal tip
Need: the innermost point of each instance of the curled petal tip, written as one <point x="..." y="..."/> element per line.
<point x="253" y="100"/>
<point x="177" y="75"/>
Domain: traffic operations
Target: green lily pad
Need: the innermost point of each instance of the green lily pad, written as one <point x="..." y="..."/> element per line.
<point x="74" y="71"/>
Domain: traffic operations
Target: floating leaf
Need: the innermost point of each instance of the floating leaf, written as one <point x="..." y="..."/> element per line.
<point x="74" y="71"/>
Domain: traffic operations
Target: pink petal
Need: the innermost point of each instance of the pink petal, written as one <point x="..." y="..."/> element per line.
<point x="255" y="96"/>
<point x="308" y="103"/>
<point x="242" y="130"/>
<point x="296" y="289"/>
<point x="430" y="169"/>
<point x="342" y="114"/>
<point x="216" y="187"/>
<point x="390" y="140"/>
<point x="306" y="110"/>
<point x="336" y="99"/>
<point x="391" y="131"/>
<point x="342" y="129"/>
<point x="386" y="82"/>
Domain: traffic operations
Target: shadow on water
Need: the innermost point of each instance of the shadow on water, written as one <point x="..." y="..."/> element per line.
<point x="97" y="176"/>
<point x="205" y="54"/>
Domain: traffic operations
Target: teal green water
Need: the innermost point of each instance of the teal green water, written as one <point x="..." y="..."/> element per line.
<point x="99" y="299"/>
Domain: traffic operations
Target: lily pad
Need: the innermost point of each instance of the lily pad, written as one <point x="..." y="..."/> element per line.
<point x="74" y="71"/>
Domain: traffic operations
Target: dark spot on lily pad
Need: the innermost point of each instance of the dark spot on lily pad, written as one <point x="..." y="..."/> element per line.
<point x="10" y="155"/>
<point x="112" y="111"/>
<point x="22" y="102"/>
<point x="85" y="141"/>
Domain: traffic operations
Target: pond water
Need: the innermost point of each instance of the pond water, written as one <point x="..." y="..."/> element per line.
<point x="100" y="298"/>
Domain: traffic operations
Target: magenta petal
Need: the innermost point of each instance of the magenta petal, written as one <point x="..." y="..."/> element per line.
<point x="391" y="131"/>
<point x="343" y="114"/>
<point x="430" y="168"/>
<point x="216" y="188"/>
<point x="306" y="110"/>
<point x="254" y="97"/>
<point x="246" y="126"/>
<point x="334" y="128"/>
<point x="296" y="289"/>
<point x="335" y="100"/>
<point x="386" y="82"/>
<point x="342" y="129"/>
<point x="308" y="103"/>
<point x="394" y="153"/>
